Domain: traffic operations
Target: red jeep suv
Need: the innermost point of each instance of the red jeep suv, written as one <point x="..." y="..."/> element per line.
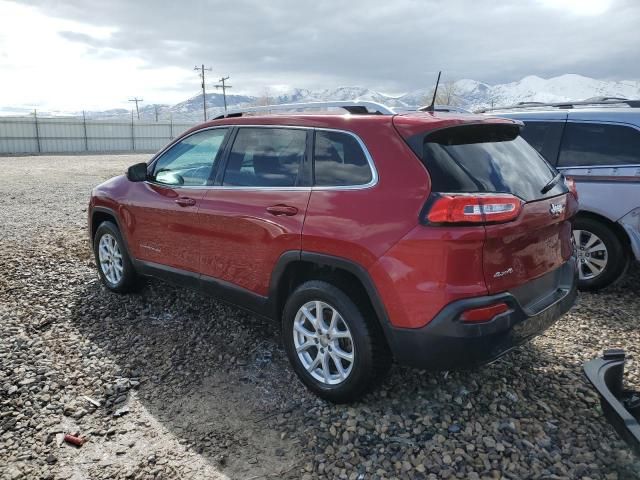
<point x="439" y="240"/>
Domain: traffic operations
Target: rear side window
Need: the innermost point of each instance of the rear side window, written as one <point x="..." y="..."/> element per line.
<point x="266" y="157"/>
<point x="339" y="160"/>
<point x="591" y="144"/>
<point x="486" y="158"/>
<point x="544" y="137"/>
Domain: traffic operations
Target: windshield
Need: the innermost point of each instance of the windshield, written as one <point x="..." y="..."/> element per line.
<point x="487" y="158"/>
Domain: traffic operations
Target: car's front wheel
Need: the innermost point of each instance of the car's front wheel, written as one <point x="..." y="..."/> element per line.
<point x="114" y="265"/>
<point x="336" y="351"/>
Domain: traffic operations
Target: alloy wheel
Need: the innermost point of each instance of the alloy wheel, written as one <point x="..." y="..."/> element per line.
<point x="592" y="254"/>
<point x="110" y="258"/>
<point x="323" y="342"/>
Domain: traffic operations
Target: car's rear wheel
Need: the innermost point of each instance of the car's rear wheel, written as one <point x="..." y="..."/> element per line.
<point x="112" y="260"/>
<point x="602" y="257"/>
<point x="337" y="352"/>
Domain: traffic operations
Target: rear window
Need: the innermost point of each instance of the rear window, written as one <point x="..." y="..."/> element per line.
<point x="487" y="158"/>
<point x="590" y="144"/>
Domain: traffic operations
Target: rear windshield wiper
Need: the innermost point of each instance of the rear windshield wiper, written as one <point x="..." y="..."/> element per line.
<point x="551" y="184"/>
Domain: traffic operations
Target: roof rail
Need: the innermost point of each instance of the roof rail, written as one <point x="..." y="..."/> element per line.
<point x="355" y="107"/>
<point x="569" y="104"/>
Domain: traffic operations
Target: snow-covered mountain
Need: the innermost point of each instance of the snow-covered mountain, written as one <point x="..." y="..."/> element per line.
<point x="536" y="89"/>
<point x="470" y="94"/>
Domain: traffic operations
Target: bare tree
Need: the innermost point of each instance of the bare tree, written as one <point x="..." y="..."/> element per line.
<point x="265" y="98"/>
<point x="447" y="94"/>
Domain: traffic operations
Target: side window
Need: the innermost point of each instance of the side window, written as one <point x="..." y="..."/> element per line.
<point x="339" y="160"/>
<point x="266" y="157"/>
<point x="190" y="161"/>
<point x="599" y="144"/>
<point x="544" y="137"/>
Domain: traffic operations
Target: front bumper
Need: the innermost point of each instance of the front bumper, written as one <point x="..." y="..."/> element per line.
<point x="448" y="343"/>
<point x="621" y="407"/>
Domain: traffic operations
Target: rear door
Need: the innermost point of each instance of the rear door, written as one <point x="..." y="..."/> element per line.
<point x="256" y="210"/>
<point x="487" y="159"/>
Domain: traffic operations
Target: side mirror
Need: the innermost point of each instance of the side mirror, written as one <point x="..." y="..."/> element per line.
<point x="137" y="172"/>
<point x="169" y="178"/>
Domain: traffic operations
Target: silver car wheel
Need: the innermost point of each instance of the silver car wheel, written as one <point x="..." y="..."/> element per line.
<point x="110" y="258"/>
<point x="592" y="254"/>
<point x="323" y="342"/>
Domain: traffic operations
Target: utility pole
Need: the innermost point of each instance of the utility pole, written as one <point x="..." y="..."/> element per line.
<point x="35" y="118"/>
<point x="84" y="126"/>
<point x="204" y="96"/>
<point x="156" y="109"/>
<point x="224" y="87"/>
<point x="136" y="99"/>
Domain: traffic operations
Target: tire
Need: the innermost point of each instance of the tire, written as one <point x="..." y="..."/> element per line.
<point x="598" y="247"/>
<point x="122" y="277"/>
<point x="354" y="333"/>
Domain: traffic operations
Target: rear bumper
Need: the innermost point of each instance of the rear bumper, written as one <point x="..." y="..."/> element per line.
<point x="448" y="343"/>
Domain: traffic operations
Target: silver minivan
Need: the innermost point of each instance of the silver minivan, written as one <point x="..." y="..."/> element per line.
<point x="597" y="143"/>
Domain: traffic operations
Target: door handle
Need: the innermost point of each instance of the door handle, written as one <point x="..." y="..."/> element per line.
<point x="185" y="202"/>
<point x="282" y="210"/>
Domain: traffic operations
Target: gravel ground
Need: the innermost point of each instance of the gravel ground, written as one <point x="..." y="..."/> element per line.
<point x="187" y="387"/>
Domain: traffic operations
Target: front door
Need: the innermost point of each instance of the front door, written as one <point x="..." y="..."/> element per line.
<point x="164" y="208"/>
<point x="256" y="211"/>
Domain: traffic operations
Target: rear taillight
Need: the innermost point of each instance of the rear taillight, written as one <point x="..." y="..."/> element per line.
<point x="483" y="314"/>
<point x="571" y="185"/>
<point x="473" y="208"/>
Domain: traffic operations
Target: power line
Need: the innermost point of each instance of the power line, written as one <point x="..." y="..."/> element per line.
<point x="204" y="95"/>
<point x="224" y="87"/>
<point x="136" y="99"/>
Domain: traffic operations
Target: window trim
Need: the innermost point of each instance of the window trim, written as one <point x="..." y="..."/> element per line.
<point x="372" y="167"/>
<point x="595" y="122"/>
<point x="308" y="162"/>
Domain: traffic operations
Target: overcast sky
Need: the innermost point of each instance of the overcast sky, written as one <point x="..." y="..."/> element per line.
<point x="75" y="54"/>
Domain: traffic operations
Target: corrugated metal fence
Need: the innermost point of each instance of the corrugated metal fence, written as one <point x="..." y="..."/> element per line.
<point x="53" y="135"/>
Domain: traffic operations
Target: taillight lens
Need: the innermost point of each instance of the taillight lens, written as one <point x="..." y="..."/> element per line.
<point x="483" y="314"/>
<point x="571" y="185"/>
<point x="475" y="208"/>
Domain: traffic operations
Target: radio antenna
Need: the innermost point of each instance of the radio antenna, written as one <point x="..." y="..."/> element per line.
<point x="431" y="107"/>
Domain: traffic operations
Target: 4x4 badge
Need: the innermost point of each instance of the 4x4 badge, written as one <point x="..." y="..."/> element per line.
<point x="556" y="209"/>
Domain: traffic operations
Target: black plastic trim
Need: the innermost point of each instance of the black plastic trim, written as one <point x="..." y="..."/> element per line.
<point x="361" y="274"/>
<point x="111" y="212"/>
<point x="606" y="376"/>
<point x="224" y="159"/>
<point x="332" y="261"/>
<point x="224" y="291"/>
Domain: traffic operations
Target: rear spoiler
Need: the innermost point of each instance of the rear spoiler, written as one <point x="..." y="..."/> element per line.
<point x="460" y="132"/>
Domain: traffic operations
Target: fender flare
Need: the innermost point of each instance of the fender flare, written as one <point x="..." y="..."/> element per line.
<point x="116" y="218"/>
<point x="322" y="259"/>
